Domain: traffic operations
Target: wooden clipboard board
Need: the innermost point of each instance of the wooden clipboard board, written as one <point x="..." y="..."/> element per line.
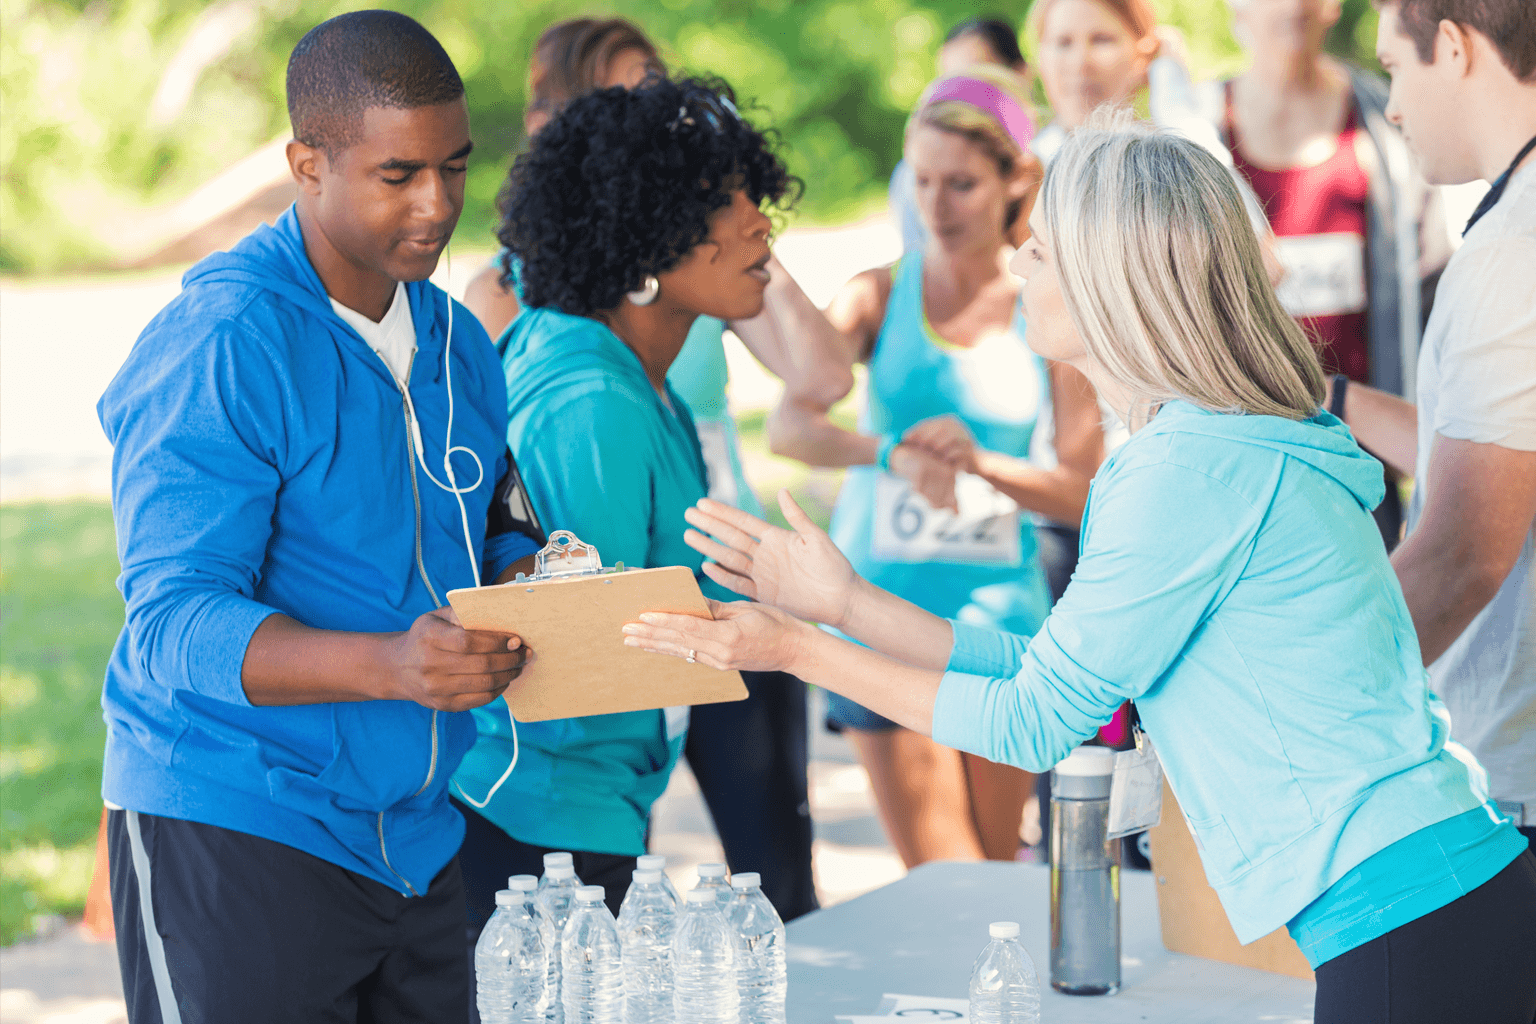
<point x="580" y="664"/>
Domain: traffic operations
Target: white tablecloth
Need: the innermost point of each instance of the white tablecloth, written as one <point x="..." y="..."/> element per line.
<point x="922" y="935"/>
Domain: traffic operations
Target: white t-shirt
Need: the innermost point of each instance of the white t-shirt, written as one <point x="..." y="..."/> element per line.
<point x="1477" y="382"/>
<point x="393" y="338"/>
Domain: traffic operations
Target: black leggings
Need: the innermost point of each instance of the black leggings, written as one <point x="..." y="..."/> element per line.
<point x="1472" y="961"/>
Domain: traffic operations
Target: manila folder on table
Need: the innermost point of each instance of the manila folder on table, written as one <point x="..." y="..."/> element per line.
<point x="580" y="664"/>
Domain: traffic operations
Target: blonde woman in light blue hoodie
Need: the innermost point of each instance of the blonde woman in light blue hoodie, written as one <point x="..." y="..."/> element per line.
<point x="1232" y="582"/>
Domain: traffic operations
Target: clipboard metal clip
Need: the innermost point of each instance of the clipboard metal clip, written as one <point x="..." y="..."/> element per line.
<point x="566" y="555"/>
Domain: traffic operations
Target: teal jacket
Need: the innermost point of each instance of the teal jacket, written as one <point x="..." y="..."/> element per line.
<point x="1233" y="583"/>
<point x="604" y="457"/>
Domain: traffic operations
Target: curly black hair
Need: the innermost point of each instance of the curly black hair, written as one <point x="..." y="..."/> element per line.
<point x="621" y="184"/>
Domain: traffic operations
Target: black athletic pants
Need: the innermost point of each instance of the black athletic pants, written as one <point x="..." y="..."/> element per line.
<point x="222" y="927"/>
<point x="750" y="758"/>
<point x="1470" y="962"/>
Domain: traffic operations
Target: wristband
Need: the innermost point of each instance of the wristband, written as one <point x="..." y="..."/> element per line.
<point x="1336" y="401"/>
<point x="888" y="443"/>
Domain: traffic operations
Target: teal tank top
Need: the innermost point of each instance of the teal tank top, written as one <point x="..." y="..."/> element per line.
<point x="981" y="567"/>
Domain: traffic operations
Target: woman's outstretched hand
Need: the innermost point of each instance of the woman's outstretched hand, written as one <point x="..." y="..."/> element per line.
<point x="742" y="636"/>
<point x="799" y="570"/>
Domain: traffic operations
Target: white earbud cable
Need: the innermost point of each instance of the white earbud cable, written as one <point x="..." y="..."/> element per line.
<point x="453" y="488"/>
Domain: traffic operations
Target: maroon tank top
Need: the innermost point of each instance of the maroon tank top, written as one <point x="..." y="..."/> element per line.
<point x="1319" y="218"/>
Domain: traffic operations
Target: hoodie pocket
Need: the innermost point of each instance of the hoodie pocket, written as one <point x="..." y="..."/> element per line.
<point x="1220" y="853"/>
<point x="382" y="754"/>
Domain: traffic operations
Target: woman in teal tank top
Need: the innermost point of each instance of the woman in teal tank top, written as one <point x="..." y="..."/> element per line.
<point x="937" y="500"/>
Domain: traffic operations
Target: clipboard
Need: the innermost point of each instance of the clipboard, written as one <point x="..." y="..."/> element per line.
<point x="570" y="613"/>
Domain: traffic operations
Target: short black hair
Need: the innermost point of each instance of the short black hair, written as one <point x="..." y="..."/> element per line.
<point x="359" y="60"/>
<point x="999" y="35"/>
<point x="621" y="184"/>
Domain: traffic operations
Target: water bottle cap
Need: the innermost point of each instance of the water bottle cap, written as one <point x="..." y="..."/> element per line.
<point x="746" y="880"/>
<point x="522" y="883"/>
<point x="589" y="894"/>
<point x="1088" y="761"/>
<point x="700" y="896"/>
<point x="508" y="898"/>
<point x="561" y="873"/>
<point x="1003" y="929"/>
<point x="555" y="860"/>
<point x="711" y="870"/>
<point x="651" y="862"/>
<point x="647" y="877"/>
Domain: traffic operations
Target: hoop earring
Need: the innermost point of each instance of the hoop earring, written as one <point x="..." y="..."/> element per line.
<point x="649" y="289"/>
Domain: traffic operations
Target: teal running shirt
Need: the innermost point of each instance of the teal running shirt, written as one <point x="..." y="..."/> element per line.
<point x="980" y="567"/>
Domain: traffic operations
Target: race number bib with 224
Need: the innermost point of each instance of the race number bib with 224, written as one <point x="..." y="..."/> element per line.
<point x="908" y="529"/>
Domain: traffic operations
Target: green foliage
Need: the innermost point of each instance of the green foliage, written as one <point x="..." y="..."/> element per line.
<point x="82" y="138"/>
<point x="60" y="614"/>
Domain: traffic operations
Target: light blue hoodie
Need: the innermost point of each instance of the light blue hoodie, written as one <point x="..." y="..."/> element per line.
<point x="1233" y="583"/>
<point x="261" y="464"/>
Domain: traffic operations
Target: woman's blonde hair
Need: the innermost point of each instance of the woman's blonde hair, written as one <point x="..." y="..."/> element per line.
<point x="979" y="127"/>
<point x="1164" y="278"/>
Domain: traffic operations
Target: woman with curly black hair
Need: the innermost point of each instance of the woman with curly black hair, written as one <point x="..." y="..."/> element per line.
<point x="632" y="214"/>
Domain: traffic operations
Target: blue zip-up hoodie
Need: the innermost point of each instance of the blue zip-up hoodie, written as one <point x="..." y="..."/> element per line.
<point x="261" y="464"/>
<point x="1233" y="583"/>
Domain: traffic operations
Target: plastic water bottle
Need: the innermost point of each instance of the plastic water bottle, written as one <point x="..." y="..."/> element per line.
<point x="510" y="962"/>
<point x="591" y="963"/>
<point x="712" y="877"/>
<point x="647" y="919"/>
<point x="557" y="897"/>
<point x="761" y="975"/>
<point x="656" y="862"/>
<point x="1004" y="986"/>
<point x="557" y="860"/>
<point x="704" y="958"/>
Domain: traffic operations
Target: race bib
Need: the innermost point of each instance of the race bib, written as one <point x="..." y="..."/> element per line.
<point x="1325" y="274"/>
<point x="908" y="529"/>
<point x="715" y="444"/>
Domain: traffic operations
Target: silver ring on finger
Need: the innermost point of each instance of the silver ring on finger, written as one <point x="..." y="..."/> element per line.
<point x="691" y="656"/>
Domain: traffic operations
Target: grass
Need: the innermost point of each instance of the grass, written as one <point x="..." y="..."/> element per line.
<point x="60" y="614"/>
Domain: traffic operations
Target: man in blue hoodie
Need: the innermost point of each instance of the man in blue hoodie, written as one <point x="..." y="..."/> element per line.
<point x="309" y="453"/>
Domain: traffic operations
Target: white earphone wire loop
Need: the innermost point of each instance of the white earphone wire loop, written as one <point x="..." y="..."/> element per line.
<point x="480" y="805"/>
<point x="453" y="488"/>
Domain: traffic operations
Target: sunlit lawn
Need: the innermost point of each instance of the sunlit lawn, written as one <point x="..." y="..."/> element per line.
<point x="60" y="613"/>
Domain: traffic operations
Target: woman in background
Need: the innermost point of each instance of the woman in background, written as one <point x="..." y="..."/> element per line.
<point x="954" y="398"/>
<point x="1360" y="233"/>
<point x="975" y="41"/>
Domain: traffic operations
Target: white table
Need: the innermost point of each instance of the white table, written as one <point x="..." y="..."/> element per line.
<point x="922" y="934"/>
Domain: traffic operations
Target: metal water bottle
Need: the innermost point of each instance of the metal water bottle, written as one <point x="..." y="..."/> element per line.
<point x="1085" y="877"/>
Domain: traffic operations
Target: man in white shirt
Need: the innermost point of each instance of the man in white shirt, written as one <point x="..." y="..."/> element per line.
<point x="1464" y="93"/>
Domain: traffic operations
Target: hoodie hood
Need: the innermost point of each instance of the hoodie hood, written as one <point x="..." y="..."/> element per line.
<point x="1322" y="442"/>
<point x="273" y="259"/>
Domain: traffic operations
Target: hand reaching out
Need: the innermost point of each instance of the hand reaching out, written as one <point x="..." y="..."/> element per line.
<point x="799" y="570"/>
<point x="928" y="474"/>
<point x="742" y="636"/>
<point x="946" y="438"/>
